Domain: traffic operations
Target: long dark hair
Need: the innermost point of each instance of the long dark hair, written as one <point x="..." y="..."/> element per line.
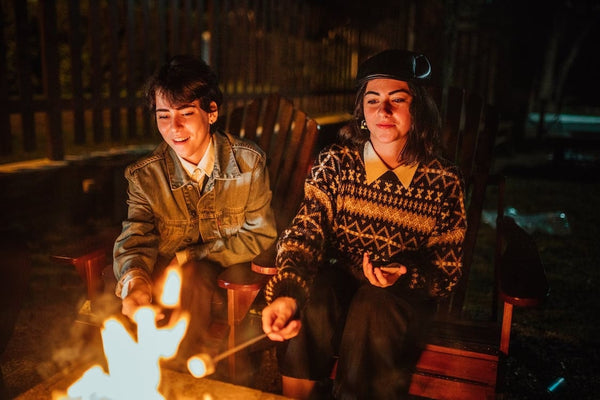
<point x="423" y="141"/>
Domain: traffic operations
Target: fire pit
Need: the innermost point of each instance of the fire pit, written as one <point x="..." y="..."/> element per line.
<point x="174" y="386"/>
<point x="133" y="362"/>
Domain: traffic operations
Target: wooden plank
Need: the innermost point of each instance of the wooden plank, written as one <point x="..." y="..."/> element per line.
<point x="459" y="364"/>
<point x="25" y="75"/>
<point x="146" y="66"/>
<point x="5" y="128"/>
<point x="251" y="119"/>
<point x="452" y="123"/>
<point x="268" y="122"/>
<point x="76" y="45"/>
<point x="131" y="67"/>
<point x="445" y="389"/>
<point x="290" y="156"/>
<point x="305" y="159"/>
<point x="114" y="83"/>
<point x="96" y="66"/>
<point x="286" y="111"/>
<point x="470" y="136"/>
<point x="51" y="78"/>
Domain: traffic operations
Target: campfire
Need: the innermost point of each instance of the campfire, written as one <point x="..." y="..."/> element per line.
<point x="134" y="365"/>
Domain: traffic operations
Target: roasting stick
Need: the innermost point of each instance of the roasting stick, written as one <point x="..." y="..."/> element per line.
<point x="203" y="364"/>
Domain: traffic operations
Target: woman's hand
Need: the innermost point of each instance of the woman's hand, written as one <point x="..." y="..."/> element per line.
<point x="277" y="319"/>
<point x="383" y="276"/>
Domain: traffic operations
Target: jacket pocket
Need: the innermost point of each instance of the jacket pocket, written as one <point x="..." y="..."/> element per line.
<point x="230" y="221"/>
<point x="173" y="234"/>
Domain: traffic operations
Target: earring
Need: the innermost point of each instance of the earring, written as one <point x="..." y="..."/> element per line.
<point x="363" y="125"/>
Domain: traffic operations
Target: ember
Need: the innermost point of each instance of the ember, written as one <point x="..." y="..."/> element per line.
<point x="133" y="367"/>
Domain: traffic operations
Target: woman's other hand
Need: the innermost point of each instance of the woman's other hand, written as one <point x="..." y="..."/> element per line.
<point x="277" y="319"/>
<point x="383" y="276"/>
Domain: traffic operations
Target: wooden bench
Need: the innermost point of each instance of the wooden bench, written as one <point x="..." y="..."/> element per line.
<point x="461" y="358"/>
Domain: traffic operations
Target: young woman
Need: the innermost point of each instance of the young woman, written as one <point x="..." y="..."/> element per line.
<point x="377" y="240"/>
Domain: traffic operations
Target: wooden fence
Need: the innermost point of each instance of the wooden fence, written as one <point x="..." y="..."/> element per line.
<point x="72" y="71"/>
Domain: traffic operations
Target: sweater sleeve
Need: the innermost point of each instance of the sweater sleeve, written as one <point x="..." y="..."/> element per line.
<point x="445" y="245"/>
<point x="301" y="246"/>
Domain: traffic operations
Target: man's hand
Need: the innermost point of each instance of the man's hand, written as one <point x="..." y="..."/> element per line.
<point x="383" y="276"/>
<point x="140" y="294"/>
<point x="277" y="319"/>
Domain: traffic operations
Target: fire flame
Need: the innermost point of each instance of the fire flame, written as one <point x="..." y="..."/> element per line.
<point x="171" y="289"/>
<point x="133" y="367"/>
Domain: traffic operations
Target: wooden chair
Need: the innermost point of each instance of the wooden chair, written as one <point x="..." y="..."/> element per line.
<point x="288" y="136"/>
<point x="461" y="358"/>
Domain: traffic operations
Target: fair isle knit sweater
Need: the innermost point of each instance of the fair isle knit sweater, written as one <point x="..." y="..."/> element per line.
<point x="342" y="217"/>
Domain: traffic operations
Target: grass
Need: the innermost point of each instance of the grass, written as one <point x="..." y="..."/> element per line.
<point x="560" y="338"/>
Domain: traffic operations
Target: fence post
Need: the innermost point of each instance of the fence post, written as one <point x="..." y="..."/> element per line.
<point x="51" y="78"/>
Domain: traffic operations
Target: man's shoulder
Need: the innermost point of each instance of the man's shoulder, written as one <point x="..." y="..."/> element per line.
<point x="157" y="155"/>
<point x="240" y="144"/>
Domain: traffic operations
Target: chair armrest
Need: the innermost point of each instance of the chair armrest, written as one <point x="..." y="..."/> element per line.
<point x="264" y="263"/>
<point x="522" y="278"/>
<point x="240" y="277"/>
<point x="89" y="265"/>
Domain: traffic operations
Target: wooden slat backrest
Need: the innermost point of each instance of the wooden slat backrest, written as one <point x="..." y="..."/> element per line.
<point x="468" y="134"/>
<point x="451" y="121"/>
<point x="288" y="137"/>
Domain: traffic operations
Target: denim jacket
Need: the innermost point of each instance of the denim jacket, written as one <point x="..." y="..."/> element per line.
<point x="229" y="221"/>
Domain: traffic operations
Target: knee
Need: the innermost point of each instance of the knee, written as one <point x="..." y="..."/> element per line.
<point x="370" y="297"/>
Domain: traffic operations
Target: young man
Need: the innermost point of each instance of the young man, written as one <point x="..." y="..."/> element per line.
<point x="201" y="200"/>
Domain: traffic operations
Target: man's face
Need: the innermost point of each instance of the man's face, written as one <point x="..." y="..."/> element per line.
<point x="185" y="127"/>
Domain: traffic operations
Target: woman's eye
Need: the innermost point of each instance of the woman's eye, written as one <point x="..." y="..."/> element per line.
<point x="162" y="116"/>
<point x="371" y="101"/>
<point x="399" y="100"/>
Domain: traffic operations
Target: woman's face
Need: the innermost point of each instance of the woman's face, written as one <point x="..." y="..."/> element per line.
<point x="185" y="127"/>
<point x="386" y="107"/>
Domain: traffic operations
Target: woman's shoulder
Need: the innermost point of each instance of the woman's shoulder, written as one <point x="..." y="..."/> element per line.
<point x="441" y="165"/>
<point x="340" y="151"/>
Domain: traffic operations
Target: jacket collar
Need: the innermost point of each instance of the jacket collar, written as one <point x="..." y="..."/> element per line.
<point x="225" y="167"/>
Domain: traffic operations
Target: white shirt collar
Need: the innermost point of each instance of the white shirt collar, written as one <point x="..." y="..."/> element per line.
<point x="375" y="167"/>
<point x="206" y="164"/>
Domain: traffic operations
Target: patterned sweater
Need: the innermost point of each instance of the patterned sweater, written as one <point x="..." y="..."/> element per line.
<point x="342" y="217"/>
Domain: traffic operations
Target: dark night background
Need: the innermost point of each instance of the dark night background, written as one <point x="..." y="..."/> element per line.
<point x="545" y="174"/>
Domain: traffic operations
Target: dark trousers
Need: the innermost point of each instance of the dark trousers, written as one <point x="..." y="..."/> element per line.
<point x="373" y="333"/>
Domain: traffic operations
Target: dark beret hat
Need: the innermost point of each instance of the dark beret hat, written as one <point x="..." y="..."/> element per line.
<point x="402" y="65"/>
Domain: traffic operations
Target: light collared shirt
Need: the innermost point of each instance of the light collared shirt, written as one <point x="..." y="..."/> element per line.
<point x="206" y="164"/>
<point x="375" y="167"/>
